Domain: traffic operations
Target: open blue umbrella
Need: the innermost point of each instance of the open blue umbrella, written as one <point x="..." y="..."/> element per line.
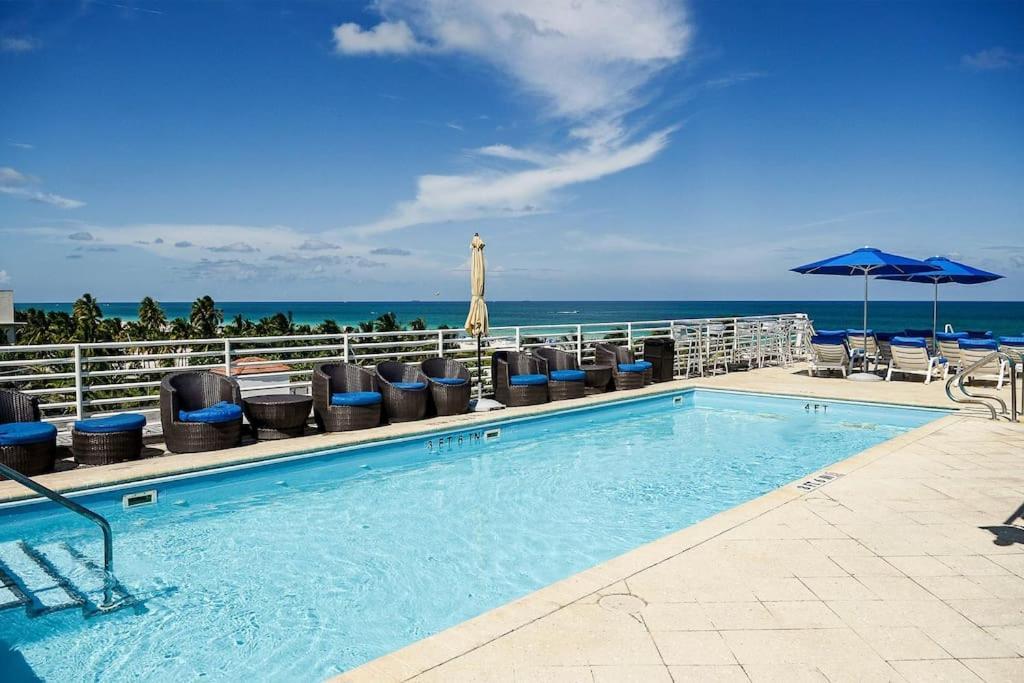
<point x="948" y="271"/>
<point x="867" y="262"/>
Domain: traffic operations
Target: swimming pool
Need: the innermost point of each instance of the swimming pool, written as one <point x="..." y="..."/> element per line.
<point x="300" y="569"/>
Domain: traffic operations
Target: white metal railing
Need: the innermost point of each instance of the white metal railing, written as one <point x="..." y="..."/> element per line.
<point x="74" y="381"/>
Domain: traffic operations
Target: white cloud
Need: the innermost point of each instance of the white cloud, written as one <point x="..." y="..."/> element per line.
<point x="18" y="44"/>
<point x="992" y="59"/>
<point x="14" y="183"/>
<point x="587" y="62"/>
<point x="4" y="277"/>
<point x="20" y="145"/>
<point x="384" y="38"/>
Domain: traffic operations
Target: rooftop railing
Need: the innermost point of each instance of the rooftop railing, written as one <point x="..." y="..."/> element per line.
<point x="76" y="381"/>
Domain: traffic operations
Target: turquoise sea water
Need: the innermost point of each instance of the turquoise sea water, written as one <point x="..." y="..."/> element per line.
<point x="295" y="571"/>
<point x="1003" y="318"/>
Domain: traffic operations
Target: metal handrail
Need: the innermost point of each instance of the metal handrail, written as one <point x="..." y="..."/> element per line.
<point x="98" y="519"/>
<point x="982" y="399"/>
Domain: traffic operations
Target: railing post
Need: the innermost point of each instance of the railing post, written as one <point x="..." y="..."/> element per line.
<point x="440" y="343"/>
<point x="675" y="351"/>
<point x="79" y="389"/>
<point x="519" y="339"/>
<point x="227" y="357"/>
<point x="629" y="336"/>
<point x="579" y="344"/>
<point x="344" y="348"/>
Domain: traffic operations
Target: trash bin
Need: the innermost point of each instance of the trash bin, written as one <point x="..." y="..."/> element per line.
<point x="662" y="355"/>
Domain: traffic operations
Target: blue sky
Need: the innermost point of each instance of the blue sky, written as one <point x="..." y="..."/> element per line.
<point x="348" y="150"/>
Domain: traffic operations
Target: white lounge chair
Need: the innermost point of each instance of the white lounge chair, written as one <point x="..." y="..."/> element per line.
<point x="858" y="340"/>
<point x="949" y="348"/>
<point x="973" y="351"/>
<point x="829" y="354"/>
<point x="910" y="357"/>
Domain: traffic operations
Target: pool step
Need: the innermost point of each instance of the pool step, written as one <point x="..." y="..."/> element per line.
<point x="50" y="578"/>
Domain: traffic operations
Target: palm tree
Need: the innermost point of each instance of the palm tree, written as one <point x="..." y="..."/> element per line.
<point x="86" y="314"/>
<point x="328" y="327"/>
<point x="418" y="325"/>
<point x="205" y="318"/>
<point x="240" y="326"/>
<point x="151" y="319"/>
<point x="180" y="329"/>
<point x="36" y="329"/>
<point x="387" y="322"/>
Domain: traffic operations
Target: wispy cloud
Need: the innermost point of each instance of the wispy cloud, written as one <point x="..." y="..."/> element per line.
<point x="4" y="277"/>
<point x="82" y="236"/>
<point x="390" y="251"/>
<point x="235" y="248"/>
<point x="18" y="44"/>
<point x="317" y="245"/>
<point x="732" y="79"/>
<point x="14" y="183"/>
<point x="606" y="54"/>
<point x="992" y="59"/>
<point x="20" y="145"/>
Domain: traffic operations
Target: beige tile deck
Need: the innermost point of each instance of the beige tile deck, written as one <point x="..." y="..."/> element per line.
<point x="882" y="574"/>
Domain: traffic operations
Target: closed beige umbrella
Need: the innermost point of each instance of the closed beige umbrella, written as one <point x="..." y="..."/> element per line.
<point x="476" y="321"/>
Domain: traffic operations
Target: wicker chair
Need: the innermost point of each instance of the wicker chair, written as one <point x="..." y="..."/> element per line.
<point x="557" y="362"/>
<point x="614" y="355"/>
<point x="507" y="364"/>
<point x="450" y="397"/>
<point x="405" y="392"/>
<point x="28" y="458"/>
<point x="195" y="390"/>
<point x="340" y="378"/>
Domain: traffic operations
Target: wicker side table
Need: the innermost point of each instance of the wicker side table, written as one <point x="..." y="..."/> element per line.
<point x="277" y="416"/>
<point x="598" y="377"/>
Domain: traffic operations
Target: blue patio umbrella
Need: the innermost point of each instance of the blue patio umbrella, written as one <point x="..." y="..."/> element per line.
<point x="948" y="271"/>
<point x="867" y="262"/>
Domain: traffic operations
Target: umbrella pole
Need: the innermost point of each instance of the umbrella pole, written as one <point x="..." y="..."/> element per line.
<point x="864" y="360"/>
<point x="935" y="317"/>
<point x="479" y="370"/>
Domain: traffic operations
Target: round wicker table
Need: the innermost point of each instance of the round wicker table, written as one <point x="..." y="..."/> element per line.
<point x="598" y="377"/>
<point x="277" y="416"/>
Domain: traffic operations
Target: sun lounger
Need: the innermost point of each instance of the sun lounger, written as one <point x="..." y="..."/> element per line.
<point x="910" y="357"/>
<point x="949" y="348"/>
<point x="863" y="346"/>
<point x="829" y="354"/>
<point x="975" y="350"/>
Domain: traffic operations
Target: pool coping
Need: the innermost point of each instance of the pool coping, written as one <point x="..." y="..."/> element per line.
<point x="433" y="651"/>
<point x="82" y="481"/>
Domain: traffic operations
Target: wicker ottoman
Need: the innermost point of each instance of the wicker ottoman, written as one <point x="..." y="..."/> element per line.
<point x="28" y="447"/>
<point x="106" y="440"/>
<point x="277" y="416"/>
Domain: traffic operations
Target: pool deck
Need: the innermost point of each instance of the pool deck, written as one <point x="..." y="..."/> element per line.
<point x="902" y="567"/>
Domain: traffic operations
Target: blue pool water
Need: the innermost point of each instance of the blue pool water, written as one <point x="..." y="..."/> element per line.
<point x="298" y="570"/>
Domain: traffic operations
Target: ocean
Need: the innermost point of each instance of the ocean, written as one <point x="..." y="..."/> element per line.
<point x="1003" y="318"/>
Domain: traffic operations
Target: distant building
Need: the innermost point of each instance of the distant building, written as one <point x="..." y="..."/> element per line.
<point x="261" y="379"/>
<point x="7" y="324"/>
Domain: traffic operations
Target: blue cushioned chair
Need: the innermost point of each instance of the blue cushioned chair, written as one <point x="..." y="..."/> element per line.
<point x="188" y="426"/>
<point x="910" y="357"/>
<point x="626" y="372"/>
<point x="507" y="365"/>
<point x="976" y="357"/>
<point x="404" y="388"/>
<point x="450" y="385"/>
<point x="345" y="397"/>
<point x="565" y="379"/>
<point x="26" y="444"/>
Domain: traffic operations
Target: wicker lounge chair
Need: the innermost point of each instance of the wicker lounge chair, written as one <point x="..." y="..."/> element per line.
<point x="829" y="354"/>
<point x="404" y="388"/>
<point x="519" y="379"/>
<point x="216" y="399"/>
<point x="450" y="385"/>
<point x="565" y="379"/>
<point x="26" y="444"/>
<point x="626" y="373"/>
<point x="910" y="357"/>
<point x="345" y="397"/>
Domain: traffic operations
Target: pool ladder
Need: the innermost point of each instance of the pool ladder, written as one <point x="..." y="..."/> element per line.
<point x="989" y="401"/>
<point x="55" y="576"/>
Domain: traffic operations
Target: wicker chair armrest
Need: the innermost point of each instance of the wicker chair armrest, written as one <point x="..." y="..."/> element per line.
<point x="18" y="407"/>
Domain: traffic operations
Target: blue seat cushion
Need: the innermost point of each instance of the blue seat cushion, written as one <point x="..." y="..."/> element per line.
<point x="215" y="414"/>
<point x="127" y="422"/>
<point x="568" y="375"/>
<point x="918" y="342"/>
<point x="528" y="380"/>
<point x="451" y="381"/>
<point x="832" y="333"/>
<point x="829" y="339"/>
<point x="1012" y="341"/>
<point x="647" y="365"/>
<point x="631" y="367"/>
<point x="24" y="433"/>
<point x="950" y="336"/>
<point x="409" y="386"/>
<point x="885" y="336"/>
<point x="356" y="398"/>
<point x="989" y="344"/>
